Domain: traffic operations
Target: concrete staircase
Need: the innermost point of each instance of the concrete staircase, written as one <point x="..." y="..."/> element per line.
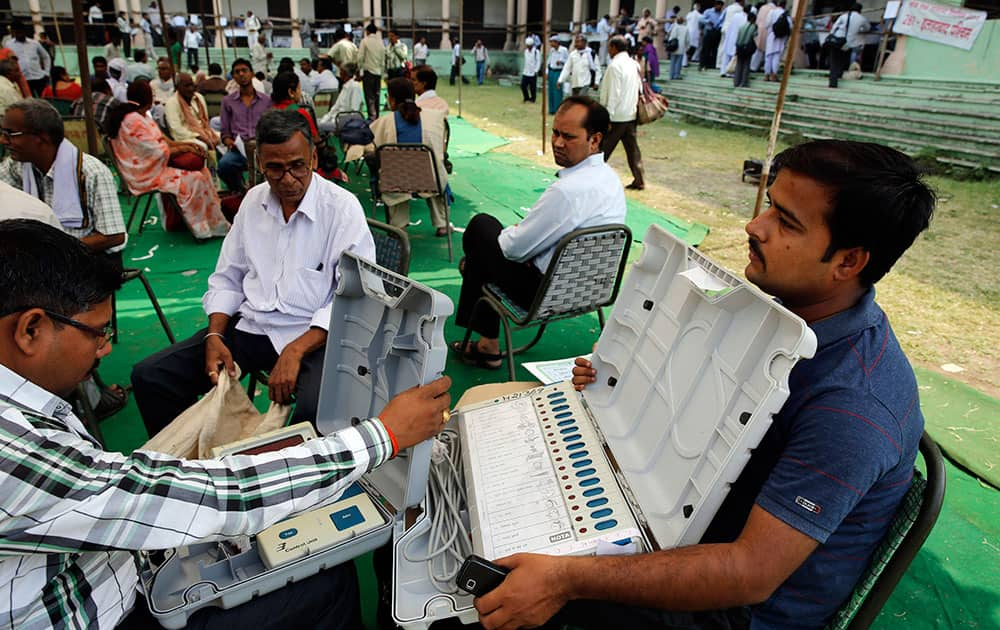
<point x="956" y="122"/>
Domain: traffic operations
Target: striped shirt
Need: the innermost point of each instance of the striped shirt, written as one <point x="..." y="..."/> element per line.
<point x="72" y="513"/>
<point x="102" y="195"/>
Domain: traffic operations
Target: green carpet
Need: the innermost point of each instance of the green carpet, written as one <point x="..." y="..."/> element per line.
<point x="954" y="581"/>
<point x="964" y="422"/>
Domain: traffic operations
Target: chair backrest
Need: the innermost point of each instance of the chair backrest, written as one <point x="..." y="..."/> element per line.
<point x="250" y="146"/>
<point x="407" y="168"/>
<point x="75" y="130"/>
<point x="909" y="529"/>
<point x="63" y="106"/>
<point x="213" y="102"/>
<point x="585" y="272"/>
<point x="392" y="247"/>
<point x="323" y="101"/>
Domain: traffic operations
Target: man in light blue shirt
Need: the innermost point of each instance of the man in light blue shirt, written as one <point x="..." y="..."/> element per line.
<point x="586" y="193"/>
<point x="269" y="301"/>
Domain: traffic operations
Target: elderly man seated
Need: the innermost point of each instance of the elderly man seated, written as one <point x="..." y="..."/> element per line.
<point x="587" y="192"/>
<point x="187" y="116"/>
<point x="269" y="300"/>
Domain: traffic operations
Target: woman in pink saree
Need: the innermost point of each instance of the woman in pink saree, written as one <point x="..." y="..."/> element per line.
<point x="148" y="161"/>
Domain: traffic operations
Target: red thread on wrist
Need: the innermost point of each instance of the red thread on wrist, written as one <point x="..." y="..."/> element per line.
<point x="392" y="438"/>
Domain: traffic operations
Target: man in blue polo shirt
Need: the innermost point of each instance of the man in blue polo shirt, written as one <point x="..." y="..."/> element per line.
<point x="800" y="524"/>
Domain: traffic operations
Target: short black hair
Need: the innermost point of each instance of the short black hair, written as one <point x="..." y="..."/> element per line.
<point x="240" y="62"/>
<point x="46" y="268"/>
<point x="619" y="42"/>
<point x="139" y="55"/>
<point x="278" y="126"/>
<point x="214" y="68"/>
<point x="598" y="119"/>
<point x="371" y="28"/>
<point x="879" y="201"/>
<point x="427" y="76"/>
<point x="41" y="117"/>
<point x="283" y="84"/>
<point x="99" y="59"/>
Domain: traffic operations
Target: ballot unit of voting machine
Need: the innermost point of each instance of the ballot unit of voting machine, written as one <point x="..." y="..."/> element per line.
<point x="691" y="367"/>
<point x="385" y="336"/>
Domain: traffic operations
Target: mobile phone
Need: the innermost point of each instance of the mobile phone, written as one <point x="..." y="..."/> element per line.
<point x="479" y="576"/>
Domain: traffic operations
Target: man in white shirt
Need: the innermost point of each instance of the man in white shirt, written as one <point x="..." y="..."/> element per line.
<point x="371" y="62"/>
<point x="163" y="84"/>
<point x="693" y="22"/>
<point x="17" y="204"/>
<point x="10" y="91"/>
<point x="125" y="32"/>
<point x="620" y="94"/>
<point x="529" y="71"/>
<point x="192" y="41"/>
<point x="269" y="300"/>
<point x="456" y="64"/>
<point x="558" y="54"/>
<point x="259" y="56"/>
<point x="581" y="71"/>
<point x="586" y="193"/>
<point x="51" y="335"/>
<point x="324" y="81"/>
<point x="116" y="79"/>
<point x="95" y="24"/>
<point x="307" y="76"/>
<point x="344" y="50"/>
<point x="420" y="52"/>
<point x="34" y="60"/>
<point x="425" y="86"/>
<point x="850" y="25"/>
<point x="350" y="98"/>
<point x="252" y="25"/>
<point x="604" y="31"/>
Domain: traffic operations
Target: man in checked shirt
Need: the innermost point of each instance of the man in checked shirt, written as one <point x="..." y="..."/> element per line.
<point x="73" y="513"/>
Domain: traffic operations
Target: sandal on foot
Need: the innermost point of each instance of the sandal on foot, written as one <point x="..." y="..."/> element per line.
<point x="113" y="399"/>
<point x="472" y="356"/>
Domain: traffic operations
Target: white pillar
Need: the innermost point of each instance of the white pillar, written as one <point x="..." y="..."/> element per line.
<point x="377" y="12"/>
<point x="366" y="9"/>
<point x="522" y="23"/>
<point x="36" y="15"/>
<point x="135" y="12"/>
<point x="614" y="9"/>
<point x="445" y="25"/>
<point x="577" y="16"/>
<point x="661" y="10"/>
<point x="510" y="43"/>
<point x="293" y="12"/>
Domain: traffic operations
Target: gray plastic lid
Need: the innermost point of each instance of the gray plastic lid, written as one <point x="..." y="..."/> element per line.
<point x="386" y="335"/>
<point x="691" y="366"/>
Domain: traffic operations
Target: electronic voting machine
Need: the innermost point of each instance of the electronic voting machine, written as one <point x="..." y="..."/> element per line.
<point x="691" y="366"/>
<point x="386" y="336"/>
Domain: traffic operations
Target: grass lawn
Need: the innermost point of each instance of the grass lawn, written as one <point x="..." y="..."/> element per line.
<point x="943" y="296"/>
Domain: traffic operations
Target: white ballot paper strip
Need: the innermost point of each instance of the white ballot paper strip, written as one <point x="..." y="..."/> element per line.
<point x="550" y="372"/>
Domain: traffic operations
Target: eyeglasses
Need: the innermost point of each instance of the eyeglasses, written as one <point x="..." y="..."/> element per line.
<point x="298" y="171"/>
<point x="103" y="335"/>
<point x="10" y="133"/>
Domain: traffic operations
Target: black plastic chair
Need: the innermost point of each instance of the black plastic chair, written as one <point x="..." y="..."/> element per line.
<point x="584" y="275"/>
<point x="133" y="273"/>
<point x="392" y="247"/>
<point x="909" y="529"/>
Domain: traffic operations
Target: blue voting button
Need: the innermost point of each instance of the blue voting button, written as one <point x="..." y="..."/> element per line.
<point x="347" y="518"/>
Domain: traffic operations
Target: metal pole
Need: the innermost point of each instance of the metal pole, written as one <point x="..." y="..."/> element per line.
<point x="461" y="38"/>
<point x="882" y="43"/>
<point x="546" y="8"/>
<point x="232" y="25"/>
<point x="82" y="59"/>
<point x="793" y="43"/>
<point x="167" y="29"/>
<point x="55" y="19"/>
<point x="413" y="25"/>
<point x="204" y="38"/>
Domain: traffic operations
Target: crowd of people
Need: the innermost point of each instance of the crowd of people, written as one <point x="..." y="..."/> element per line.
<point x="839" y="215"/>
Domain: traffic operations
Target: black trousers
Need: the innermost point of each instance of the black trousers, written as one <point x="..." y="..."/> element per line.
<point x="372" y="85"/>
<point x="38" y="86"/>
<point x="192" y="54"/>
<point x="593" y="614"/>
<point x="456" y="73"/>
<point x="742" y="76"/>
<point x="485" y="264"/>
<point x="709" y="48"/>
<point x="529" y="87"/>
<point x="625" y="132"/>
<point x="330" y="600"/>
<point x="170" y="381"/>
<point x="127" y="45"/>
<point x="839" y="61"/>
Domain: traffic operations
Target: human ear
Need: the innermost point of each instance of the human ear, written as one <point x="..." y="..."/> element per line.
<point x="851" y="262"/>
<point x="28" y="331"/>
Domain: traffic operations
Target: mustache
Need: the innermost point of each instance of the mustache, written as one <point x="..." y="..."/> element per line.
<point x="755" y="246"/>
